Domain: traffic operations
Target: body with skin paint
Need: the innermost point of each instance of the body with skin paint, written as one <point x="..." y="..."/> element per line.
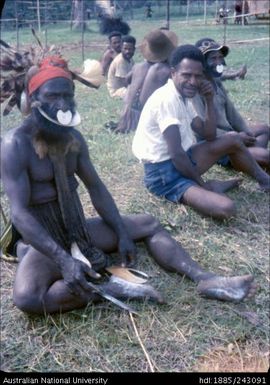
<point x="48" y="279"/>
<point x="256" y="135"/>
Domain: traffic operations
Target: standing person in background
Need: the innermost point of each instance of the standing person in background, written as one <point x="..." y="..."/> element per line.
<point x="120" y="68"/>
<point x="114" y="48"/>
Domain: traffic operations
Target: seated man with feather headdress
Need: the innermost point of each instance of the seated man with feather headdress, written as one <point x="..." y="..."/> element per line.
<point x="61" y="253"/>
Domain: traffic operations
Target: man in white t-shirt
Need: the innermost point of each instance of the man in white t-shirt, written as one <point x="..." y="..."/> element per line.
<point x="165" y="141"/>
<point x="120" y="67"/>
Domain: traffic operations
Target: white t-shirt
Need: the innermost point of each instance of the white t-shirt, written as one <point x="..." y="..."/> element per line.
<point x="165" y="107"/>
<point x="118" y="70"/>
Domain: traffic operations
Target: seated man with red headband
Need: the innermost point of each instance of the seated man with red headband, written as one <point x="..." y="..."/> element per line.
<point x="60" y="252"/>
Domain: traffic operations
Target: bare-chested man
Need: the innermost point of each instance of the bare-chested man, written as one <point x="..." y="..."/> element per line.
<point x="40" y="160"/>
<point x="255" y="136"/>
<point x="147" y="76"/>
<point x="115" y="44"/>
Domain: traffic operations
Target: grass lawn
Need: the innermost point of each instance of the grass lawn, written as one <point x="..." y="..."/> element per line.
<point x="189" y="333"/>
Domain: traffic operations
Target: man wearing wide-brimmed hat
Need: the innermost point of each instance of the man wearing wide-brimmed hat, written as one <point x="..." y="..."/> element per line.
<point x="255" y="136"/>
<point x="147" y="76"/>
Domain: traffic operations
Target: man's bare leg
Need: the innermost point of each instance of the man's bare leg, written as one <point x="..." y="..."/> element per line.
<point x="259" y="150"/>
<point x="39" y="287"/>
<point x="207" y="153"/>
<point x="171" y="256"/>
<point x="262" y="134"/>
<point x="209" y="203"/>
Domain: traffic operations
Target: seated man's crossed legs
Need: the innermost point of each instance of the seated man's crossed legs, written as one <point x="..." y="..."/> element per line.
<point x="205" y="154"/>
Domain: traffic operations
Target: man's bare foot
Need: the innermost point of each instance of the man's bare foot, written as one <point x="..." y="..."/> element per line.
<point x="220" y="186"/>
<point x="228" y="288"/>
<point x="122" y="289"/>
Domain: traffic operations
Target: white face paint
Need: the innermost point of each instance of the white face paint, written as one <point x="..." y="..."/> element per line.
<point x="219" y="68"/>
<point x="63" y="118"/>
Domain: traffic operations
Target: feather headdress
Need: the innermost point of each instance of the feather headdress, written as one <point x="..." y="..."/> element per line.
<point x="16" y="69"/>
<point x="109" y="21"/>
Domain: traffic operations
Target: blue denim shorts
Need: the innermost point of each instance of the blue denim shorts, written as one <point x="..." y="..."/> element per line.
<point x="164" y="180"/>
<point x="224" y="161"/>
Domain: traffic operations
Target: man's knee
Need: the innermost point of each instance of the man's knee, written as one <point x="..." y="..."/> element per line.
<point x="26" y="301"/>
<point x="260" y="129"/>
<point x="225" y="210"/>
<point x="151" y="224"/>
<point x="233" y="137"/>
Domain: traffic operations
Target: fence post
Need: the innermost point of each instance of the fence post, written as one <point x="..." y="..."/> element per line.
<point x="168" y="14"/>
<point x="187" y="16"/>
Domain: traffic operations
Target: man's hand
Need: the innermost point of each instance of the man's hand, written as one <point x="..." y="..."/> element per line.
<point x="75" y="273"/>
<point x="206" y="89"/>
<point x="127" y="251"/>
<point x="248" y="138"/>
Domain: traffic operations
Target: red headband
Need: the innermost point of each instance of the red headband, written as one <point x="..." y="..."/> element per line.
<point x="50" y="68"/>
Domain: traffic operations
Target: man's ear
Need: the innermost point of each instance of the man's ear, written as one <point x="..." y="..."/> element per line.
<point x="173" y="70"/>
<point x="25" y="105"/>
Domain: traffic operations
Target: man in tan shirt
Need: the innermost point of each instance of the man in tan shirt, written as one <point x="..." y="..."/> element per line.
<point x="120" y="67"/>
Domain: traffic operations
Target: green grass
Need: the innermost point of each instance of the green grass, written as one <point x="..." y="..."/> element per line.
<point x="188" y="333"/>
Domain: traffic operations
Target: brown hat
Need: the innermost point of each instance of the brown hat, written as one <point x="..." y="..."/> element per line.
<point x="171" y="35"/>
<point x="207" y="45"/>
<point x="156" y="46"/>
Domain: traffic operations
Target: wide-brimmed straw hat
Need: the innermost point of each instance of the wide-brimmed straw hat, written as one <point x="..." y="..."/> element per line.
<point x="91" y="74"/>
<point x="156" y="46"/>
<point x="208" y="45"/>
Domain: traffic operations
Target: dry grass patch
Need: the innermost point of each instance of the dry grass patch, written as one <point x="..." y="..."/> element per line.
<point x="234" y="357"/>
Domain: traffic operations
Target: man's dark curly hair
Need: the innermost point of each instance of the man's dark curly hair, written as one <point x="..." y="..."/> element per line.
<point x="113" y="34"/>
<point x="186" y="51"/>
<point x="129" y="39"/>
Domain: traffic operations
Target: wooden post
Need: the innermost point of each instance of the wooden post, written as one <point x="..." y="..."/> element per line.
<point x="225" y="24"/>
<point x="83" y="28"/>
<point x="38" y="16"/>
<point x="204" y="11"/>
<point x="45" y="22"/>
<point x="131" y="9"/>
<point x="17" y="26"/>
<point x="216" y="9"/>
<point x="168" y="14"/>
<point x="187" y="16"/>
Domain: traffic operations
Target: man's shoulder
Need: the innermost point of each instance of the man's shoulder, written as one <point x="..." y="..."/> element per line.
<point x="108" y="52"/>
<point x="165" y="93"/>
<point x="15" y="134"/>
<point x="118" y="59"/>
<point x="115" y="63"/>
<point x="15" y="146"/>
